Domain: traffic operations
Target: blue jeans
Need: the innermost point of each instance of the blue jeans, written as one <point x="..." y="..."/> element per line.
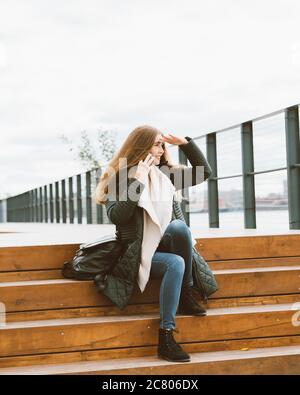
<point x="172" y="261"/>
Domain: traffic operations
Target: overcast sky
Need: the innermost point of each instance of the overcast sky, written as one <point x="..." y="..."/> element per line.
<point x="187" y="67"/>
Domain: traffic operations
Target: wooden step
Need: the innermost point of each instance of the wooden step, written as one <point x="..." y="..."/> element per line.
<point x="148" y="308"/>
<point x="136" y="352"/>
<point x="274" y="360"/>
<point x="65" y="293"/>
<point x="254" y="263"/>
<point x="221" y="248"/>
<point x="257" y="281"/>
<point x="212" y="249"/>
<point x="50" y="336"/>
<point x="31" y="275"/>
<point x="60" y="326"/>
<point x="35" y="257"/>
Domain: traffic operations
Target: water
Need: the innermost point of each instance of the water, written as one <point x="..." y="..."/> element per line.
<point x="266" y="220"/>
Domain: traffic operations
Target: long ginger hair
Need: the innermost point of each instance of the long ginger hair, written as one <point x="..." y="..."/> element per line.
<point x="135" y="148"/>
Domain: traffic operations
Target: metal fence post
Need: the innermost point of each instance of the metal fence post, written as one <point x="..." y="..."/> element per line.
<point x="213" y="194"/>
<point x="51" y="204"/>
<point x="79" y="201"/>
<point x="31" y="216"/>
<point x="71" y="200"/>
<point x="88" y="197"/>
<point x="3" y="210"/>
<point x="27" y="206"/>
<point x="46" y="203"/>
<point x="41" y="204"/>
<point x="63" y="201"/>
<point x="293" y="159"/>
<point x="57" y="205"/>
<point x="36" y="207"/>
<point x="248" y="179"/>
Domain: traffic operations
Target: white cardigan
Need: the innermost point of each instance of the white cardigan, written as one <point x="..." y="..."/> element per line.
<point x="157" y="202"/>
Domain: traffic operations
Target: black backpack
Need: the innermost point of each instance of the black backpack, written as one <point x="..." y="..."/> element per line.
<point x="94" y="260"/>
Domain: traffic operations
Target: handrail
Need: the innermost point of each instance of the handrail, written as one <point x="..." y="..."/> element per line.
<point x="50" y="202"/>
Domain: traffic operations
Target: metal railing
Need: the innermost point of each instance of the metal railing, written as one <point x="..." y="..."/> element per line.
<point x="56" y="203"/>
<point x="51" y="203"/>
<point x="292" y="168"/>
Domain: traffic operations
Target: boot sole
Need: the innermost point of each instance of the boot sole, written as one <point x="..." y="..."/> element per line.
<point x="173" y="360"/>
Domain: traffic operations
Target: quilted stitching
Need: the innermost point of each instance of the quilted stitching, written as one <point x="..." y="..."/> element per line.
<point x="120" y="284"/>
<point x="204" y="279"/>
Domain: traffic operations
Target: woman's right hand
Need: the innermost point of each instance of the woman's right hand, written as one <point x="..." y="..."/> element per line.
<point x="143" y="168"/>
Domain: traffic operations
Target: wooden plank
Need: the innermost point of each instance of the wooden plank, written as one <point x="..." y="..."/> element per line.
<point x="254" y="262"/>
<point x="262" y="281"/>
<point x="249" y="247"/>
<point x="38" y="337"/>
<point x="135" y="352"/>
<point x="55" y="294"/>
<point x="30" y="275"/>
<point x="221" y="248"/>
<point x="279" y="364"/>
<point x="252" y="301"/>
<point x="52" y="294"/>
<point x="149" y="308"/>
<point x="35" y="257"/>
<point x="279" y="360"/>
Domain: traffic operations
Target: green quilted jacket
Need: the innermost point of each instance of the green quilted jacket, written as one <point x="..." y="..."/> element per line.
<point x="128" y="218"/>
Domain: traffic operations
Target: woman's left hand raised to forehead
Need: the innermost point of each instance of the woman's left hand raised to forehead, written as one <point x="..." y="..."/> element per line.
<point x="171" y="139"/>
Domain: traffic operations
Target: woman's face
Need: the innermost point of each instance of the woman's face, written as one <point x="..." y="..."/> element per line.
<point x="158" y="149"/>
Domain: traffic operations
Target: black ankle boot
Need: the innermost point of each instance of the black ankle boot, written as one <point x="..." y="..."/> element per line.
<point x="188" y="304"/>
<point x="168" y="348"/>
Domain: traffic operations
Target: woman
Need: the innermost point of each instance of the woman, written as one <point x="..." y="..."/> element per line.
<point x="141" y="199"/>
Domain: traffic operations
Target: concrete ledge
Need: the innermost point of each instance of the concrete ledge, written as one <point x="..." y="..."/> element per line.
<point x="22" y="234"/>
